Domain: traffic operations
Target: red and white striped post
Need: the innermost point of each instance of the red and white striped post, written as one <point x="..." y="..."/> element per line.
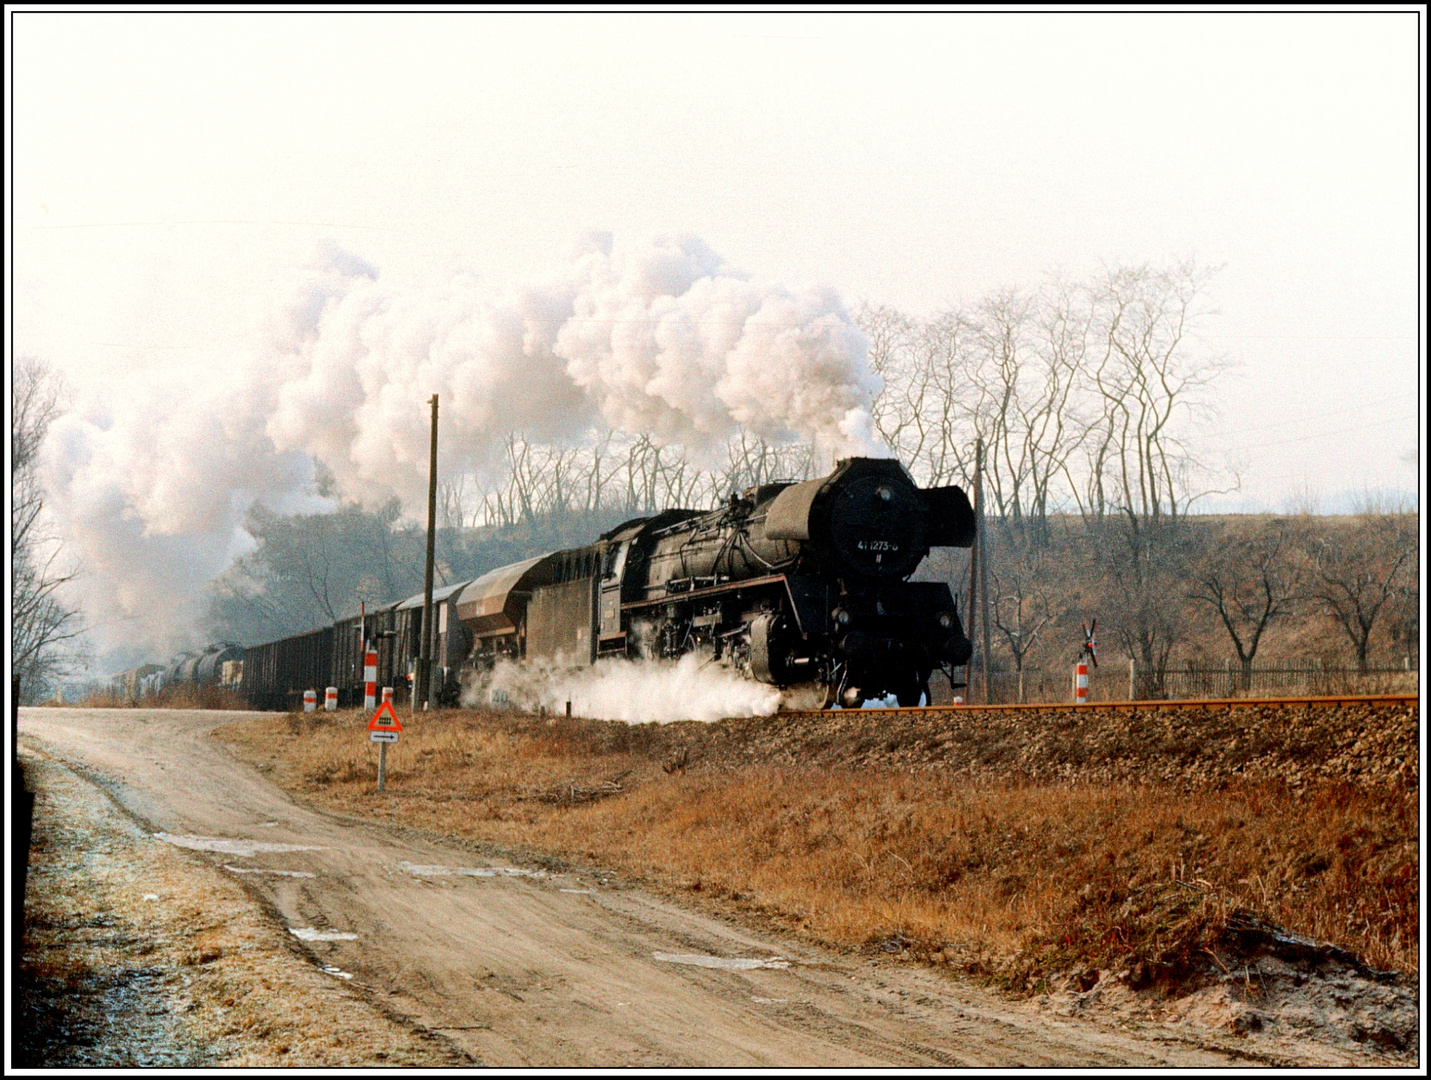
<point x="1080" y="684"/>
<point x="330" y="699"/>
<point x="387" y="695"/>
<point x="370" y="676"/>
<point x="310" y="700"/>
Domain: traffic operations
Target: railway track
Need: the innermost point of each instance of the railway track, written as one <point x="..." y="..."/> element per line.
<point x="1154" y="705"/>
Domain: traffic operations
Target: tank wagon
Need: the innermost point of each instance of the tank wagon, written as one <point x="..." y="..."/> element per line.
<point x="803" y="586"/>
<point x="194" y="669"/>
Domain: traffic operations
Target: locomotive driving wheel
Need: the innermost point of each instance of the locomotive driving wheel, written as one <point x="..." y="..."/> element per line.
<point x="807" y="697"/>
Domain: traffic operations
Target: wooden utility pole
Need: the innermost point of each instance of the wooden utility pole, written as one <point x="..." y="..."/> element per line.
<point x="974" y="567"/>
<point x="984" y="593"/>
<point x="423" y="682"/>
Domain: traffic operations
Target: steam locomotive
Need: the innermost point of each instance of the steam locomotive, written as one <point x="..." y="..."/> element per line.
<point x="804" y="586"/>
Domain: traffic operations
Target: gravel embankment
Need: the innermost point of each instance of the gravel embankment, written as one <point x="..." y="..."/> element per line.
<point x="1362" y="743"/>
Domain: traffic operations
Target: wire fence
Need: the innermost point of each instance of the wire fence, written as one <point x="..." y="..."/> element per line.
<point x="1124" y="682"/>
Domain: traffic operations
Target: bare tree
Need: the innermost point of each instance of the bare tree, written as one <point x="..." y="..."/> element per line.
<point x="922" y="413"/>
<point x="1403" y="615"/>
<point x="1356" y="574"/>
<point x="312" y="569"/>
<point x="1141" y="583"/>
<point x="1144" y="385"/>
<point x="892" y="336"/>
<point x="1022" y="605"/>
<point x="44" y="631"/>
<point x="1051" y="419"/>
<point x="752" y="461"/>
<point x="1250" y="582"/>
<point x="453" y="496"/>
<point x="994" y="373"/>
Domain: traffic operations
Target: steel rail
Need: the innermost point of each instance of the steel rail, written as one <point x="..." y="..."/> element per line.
<point x="1170" y="703"/>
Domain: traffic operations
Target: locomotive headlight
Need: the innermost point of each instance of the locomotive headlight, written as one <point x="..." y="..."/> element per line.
<point x="885" y="493"/>
<point x="946" y="620"/>
<point x="841" y="616"/>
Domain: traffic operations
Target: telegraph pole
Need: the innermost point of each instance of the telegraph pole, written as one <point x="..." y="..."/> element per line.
<point x="984" y="590"/>
<point x="423" y="680"/>
<point x="974" y="571"/>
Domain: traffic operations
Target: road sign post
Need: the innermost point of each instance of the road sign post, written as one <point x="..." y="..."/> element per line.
<point x="384" y="728"/>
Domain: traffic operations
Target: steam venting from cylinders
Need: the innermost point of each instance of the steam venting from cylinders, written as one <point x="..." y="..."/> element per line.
<point x="149" y="483"/>
<point x="660" y="691"/>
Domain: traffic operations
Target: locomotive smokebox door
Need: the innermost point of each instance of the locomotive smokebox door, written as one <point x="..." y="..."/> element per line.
<point x="874" y="520"/>
<point x="866" y="519"/>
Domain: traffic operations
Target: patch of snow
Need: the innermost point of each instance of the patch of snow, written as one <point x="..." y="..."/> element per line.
<point x="329" y="969"/>
<point x="244" y="849"/>
<point x="151" y="896"/>
<point x="468" y="871"/>
<point x="308" y="933"/>
<point x="261" y="870"/>
<point x="730" y="963"/>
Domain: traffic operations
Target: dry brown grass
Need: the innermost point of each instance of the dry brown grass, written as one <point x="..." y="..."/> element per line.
<point x="182" y="696"/>
<point x="1019" y="882"/>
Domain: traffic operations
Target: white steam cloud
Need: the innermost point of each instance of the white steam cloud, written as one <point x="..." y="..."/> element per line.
<point x="660" y="691"/>
<point x="149" y="481"/>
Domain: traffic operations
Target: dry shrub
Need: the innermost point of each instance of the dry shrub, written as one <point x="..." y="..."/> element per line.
<point x="178" y="696"/>
<point x="1017" y="881"/>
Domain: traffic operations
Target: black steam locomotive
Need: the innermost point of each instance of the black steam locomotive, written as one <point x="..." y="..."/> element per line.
<point x="802" y="586"/>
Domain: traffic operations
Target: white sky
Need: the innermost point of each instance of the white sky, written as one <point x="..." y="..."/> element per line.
<point x="169" y="169"/>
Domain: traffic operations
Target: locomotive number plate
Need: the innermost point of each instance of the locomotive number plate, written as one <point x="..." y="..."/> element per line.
<point x="877" y="545"/>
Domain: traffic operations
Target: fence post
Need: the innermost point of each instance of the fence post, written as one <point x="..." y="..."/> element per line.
<point x="1132" y="684"/>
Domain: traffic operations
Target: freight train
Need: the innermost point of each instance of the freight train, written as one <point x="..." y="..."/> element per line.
<point x="804" y="586"/>
<point x="217" y="665"/>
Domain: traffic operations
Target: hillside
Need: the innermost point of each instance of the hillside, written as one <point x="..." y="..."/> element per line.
<point x="1040" y="594"/>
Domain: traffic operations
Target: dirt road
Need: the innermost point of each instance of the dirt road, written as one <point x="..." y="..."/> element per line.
<point x="518" y="966"/>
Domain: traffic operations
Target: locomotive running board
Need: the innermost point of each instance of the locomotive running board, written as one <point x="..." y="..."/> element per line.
<point x="711" y="590"/>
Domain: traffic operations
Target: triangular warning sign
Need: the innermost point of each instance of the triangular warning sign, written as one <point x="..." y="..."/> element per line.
<point x="384" y="719"/>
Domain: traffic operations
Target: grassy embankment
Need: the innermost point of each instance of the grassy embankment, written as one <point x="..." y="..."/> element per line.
<point x="1023" y="883"/>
